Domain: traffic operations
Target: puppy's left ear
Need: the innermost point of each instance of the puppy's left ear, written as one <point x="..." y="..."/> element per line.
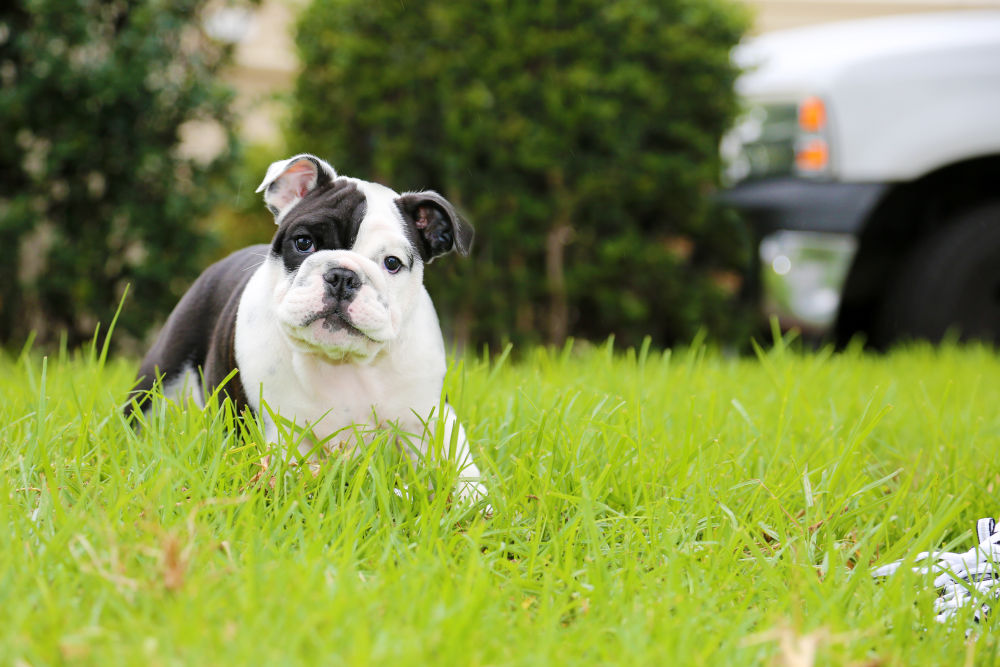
<point x="288" y="181"/>
<point x="434" y="225"/>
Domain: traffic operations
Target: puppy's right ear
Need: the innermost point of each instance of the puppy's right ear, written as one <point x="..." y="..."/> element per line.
<point x="288" y="181"/>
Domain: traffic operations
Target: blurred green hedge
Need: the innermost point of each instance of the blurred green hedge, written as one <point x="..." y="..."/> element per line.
<point x="580" y="138"/>
<point x="93" y="192"/>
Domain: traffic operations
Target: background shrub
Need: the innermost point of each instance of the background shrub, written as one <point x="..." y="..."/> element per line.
<point x="93" y="193"/>
<point x="580" y="138"/>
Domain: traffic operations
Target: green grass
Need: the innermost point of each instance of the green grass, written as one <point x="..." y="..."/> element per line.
<point x="679" y="507"/>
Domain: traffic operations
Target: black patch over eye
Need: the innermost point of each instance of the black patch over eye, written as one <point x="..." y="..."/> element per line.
<point x="392" y="264"/>
<point x="303" y="244"/>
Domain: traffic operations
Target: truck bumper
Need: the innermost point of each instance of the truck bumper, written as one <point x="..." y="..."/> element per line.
<point x="808" y="236"/>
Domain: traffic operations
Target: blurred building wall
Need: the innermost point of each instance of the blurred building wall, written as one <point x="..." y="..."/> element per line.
<point x="781" y="14"/>
<point x="264" y="68"/>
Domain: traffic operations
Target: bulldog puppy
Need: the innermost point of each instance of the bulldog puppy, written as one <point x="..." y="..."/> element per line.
<point x="330" y="324"/>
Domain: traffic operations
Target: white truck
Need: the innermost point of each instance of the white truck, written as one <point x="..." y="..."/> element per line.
<point x="868" y="162"/>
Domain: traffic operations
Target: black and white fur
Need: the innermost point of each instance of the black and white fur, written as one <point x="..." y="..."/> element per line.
<point x="330" y="324"/>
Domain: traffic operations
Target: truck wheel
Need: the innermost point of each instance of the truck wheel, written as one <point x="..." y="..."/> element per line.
<point x="950" y="282"/>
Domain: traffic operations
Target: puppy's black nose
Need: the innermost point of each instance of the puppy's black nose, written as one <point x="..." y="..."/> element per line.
<point x="342" y="284"/>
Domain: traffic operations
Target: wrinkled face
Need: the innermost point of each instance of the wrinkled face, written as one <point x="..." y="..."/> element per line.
<point x="348" y="257"/>
<point x="351" y="271"/>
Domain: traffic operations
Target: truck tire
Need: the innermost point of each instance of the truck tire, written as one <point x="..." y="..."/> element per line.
<point x="949" y="283"/>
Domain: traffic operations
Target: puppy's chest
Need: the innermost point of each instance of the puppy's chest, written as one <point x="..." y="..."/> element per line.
<point x="329" y="398"/>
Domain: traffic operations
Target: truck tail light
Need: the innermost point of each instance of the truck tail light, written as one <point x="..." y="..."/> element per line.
<point x="812" y="114"/>
<point x="812" y="140"/>
<point x="812" y="155"/>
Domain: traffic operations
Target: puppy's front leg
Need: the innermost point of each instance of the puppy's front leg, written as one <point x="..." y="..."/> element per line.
<point x="469" y="485"/>
<point x="291" y="445"/>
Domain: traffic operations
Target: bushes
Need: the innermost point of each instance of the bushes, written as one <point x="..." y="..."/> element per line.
<point x="94" y="194"/>
<point x="580" y="139"/>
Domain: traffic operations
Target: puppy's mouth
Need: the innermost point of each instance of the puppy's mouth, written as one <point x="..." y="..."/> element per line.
<point x="334" y="319"/>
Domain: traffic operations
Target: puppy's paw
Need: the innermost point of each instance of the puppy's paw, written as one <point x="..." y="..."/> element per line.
<point x="470" y="490"/>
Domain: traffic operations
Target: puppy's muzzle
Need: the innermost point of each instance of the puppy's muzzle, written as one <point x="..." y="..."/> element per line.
<point x="341" y="284"/>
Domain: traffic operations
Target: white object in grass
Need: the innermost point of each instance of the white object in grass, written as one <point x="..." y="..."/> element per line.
<point x="962" y="578"/>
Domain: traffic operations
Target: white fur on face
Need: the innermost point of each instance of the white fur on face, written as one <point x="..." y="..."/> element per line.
<point x="373" y="318"/>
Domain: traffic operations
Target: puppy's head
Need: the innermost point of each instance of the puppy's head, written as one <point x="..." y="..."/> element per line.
<point x="348" y="255"/>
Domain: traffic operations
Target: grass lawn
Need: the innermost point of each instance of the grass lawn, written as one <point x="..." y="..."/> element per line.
<point x="650" y="507"/>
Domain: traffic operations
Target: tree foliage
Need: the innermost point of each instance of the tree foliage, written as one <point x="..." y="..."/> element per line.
<point x="580" y="138"/>
<point x="93" y="192"/>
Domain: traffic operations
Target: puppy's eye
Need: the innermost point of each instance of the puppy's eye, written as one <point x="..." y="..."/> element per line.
<point x="303" y="243"/>
<point x="392" y="264"/>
